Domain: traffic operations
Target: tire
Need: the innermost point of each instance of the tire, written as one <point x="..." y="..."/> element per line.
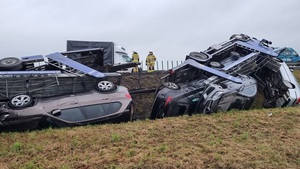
<point x="11" y="64"/>
<point x="266" y="104"/>
<point x="285" y="85"/>
<point x="199" y="56"/>
<point x="171" y="85"/>
<point x="241" y="37"/>
<point x="105" y="86"/>
<point x="132" y="112"/>
<point x="158" y="113"/>
<point x="215" y="64"/>
<point x="20" y="101"/>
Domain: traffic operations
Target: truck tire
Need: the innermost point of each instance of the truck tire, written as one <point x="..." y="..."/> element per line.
<point x="11" y="64"/>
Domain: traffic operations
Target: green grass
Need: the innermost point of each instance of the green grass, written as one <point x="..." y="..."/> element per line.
<point x="235" y="139"/>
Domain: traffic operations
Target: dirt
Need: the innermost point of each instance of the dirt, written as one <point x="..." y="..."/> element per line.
<point x="144" y="81"/>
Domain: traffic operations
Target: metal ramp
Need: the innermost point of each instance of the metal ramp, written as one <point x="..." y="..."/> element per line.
<point x="60" y="61"/>
<point x="213" y="71"/>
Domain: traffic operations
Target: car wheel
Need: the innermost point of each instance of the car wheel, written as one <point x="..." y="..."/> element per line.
<point x="20" y="101"/>
<point x="199" y="56"/>
<point x="11" y="63"/>
<point x="215" y="64"/>
<point x="160" y="113"/>
<point x="267" y="104"/>
<point x="157" y="110"/>
<point x="105" y="86"/>
<point x="241" y="37"/>
<point x="171" y="85"/>
<point x="132" y="112"/>
<point x="285" y="85"/>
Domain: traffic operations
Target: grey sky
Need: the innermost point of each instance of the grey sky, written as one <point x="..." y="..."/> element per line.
<point x="171" y="28"/>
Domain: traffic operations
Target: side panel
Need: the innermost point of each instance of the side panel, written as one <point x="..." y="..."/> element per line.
<point x="107" y="46"/>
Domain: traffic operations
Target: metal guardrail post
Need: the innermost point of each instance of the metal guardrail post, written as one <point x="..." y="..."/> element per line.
<point x="162" y="65"/>
<point x="142" y="65"/>
<point x="167" y="64"/>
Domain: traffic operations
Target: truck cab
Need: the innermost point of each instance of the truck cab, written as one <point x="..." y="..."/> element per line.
<point x="289" y="55"/>
<point x="121" y="57"/>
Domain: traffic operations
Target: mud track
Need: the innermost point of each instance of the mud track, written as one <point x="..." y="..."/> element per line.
<point x="142" y="82"/>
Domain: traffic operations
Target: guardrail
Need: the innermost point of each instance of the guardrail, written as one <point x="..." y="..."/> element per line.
<point x="162" y="65"/>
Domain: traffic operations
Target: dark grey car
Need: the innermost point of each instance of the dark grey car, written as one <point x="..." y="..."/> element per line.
<point x="225" y="76"/>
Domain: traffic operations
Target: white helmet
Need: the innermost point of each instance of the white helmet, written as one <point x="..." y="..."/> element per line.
<point x="150" y="51"/>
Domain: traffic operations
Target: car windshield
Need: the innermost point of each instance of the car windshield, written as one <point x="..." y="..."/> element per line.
<point x="249" y="91"/>
<point x="126" y="58"/>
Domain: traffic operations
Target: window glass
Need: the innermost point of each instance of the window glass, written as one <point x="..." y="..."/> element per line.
<point x="115" y="107"/>
<point x="96" y="111"/>
<point x="73" y="114"/>
<point x="126" y="58"/>
<point x="295" y="53"/>
<point x="287" y="53"/>
<point x="249" y="91"/>
<point x="99" y="110"/>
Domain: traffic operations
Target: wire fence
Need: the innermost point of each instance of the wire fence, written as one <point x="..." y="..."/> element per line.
<point x="162" y="65"/>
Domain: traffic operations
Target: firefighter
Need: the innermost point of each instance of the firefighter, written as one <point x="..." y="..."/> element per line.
<point x="150" y="61"/>
<point x="135" y="59"/>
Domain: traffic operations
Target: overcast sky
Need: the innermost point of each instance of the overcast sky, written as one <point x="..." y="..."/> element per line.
<point x="171" y="28"/>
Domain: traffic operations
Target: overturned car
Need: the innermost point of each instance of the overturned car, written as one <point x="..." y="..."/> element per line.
<point x="91" y="107"/>
<point x="226" y="76"/>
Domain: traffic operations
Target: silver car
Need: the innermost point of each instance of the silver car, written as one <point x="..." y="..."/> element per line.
<point x="69" y="110"/>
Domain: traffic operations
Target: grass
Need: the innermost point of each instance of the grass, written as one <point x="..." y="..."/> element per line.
<point x="234" y="139"/>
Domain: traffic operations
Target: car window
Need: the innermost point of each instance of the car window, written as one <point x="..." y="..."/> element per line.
<point x="95" y="111"/>
<point x="73" y="114"/>
<point x="286" y="53"/>
<point x="99" y="110"/>
<point x="295" y="53"/>
<point x="249" y="91"/>
<point x="126" y="58"/>
<point x="115" y="107"/>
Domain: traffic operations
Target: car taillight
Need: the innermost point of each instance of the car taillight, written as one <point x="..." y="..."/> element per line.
<point x="298" y="101"/>
<point x="169" y="99"/>
<point x="128" y="95"/>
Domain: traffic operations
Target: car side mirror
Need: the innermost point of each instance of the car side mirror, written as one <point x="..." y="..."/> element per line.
<point x="56" y="112"/>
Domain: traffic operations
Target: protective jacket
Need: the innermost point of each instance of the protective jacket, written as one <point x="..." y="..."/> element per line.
<point x="135" y="57"/>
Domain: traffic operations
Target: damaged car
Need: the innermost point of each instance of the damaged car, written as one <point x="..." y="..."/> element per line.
<point x="58" y="76"/>
<point x="78" y="109"/>
<point x="226" y="76"/>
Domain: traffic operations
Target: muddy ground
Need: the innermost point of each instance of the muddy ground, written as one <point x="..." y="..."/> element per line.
<point x="146" y="82"/>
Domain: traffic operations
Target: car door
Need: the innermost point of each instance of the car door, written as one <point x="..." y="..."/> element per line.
<point x="66" y="101"/>
<point x="93" y="97"/>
